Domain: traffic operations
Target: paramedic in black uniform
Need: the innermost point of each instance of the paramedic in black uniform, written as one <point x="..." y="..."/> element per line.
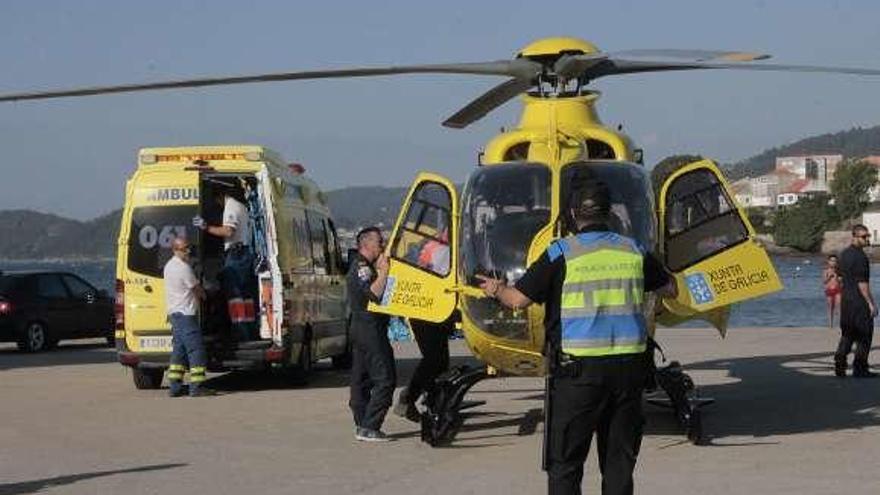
<point x="373" y="374"/>
<point x="857" y="307"/>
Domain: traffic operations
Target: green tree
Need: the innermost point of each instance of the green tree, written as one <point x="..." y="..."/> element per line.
<point x="852" y="180"/>
<point x="803" y="224"/>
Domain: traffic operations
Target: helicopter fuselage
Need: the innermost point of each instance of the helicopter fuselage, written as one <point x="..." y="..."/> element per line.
<point x="510" y="212"/>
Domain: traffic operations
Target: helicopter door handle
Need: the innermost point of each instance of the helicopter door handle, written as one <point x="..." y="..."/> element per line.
<point x="466" y="290"/>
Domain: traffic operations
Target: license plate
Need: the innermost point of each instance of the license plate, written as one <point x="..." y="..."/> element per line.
<point x="156" y="344"/>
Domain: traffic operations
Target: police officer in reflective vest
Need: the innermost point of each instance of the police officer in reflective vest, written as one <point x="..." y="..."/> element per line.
<point x="593" y="285"/>
<point x="373" y="374"/>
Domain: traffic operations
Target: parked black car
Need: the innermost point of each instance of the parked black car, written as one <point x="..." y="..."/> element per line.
<point x="37" y="309"/>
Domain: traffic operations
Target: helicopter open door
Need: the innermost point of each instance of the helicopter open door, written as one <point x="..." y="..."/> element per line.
<point x="422" y="253"/>
<point x="709" y="245"/>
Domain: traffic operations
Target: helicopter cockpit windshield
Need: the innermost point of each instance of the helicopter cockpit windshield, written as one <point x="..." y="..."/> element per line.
<point x="504" y="207"/>
<point x="632" y="201"/>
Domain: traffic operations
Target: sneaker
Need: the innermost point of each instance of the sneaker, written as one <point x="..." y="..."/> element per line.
<point x="407" y="410"/>
<point x="864" y="374"/>
<point x="368" y="435"/>
<point x="840" y="372"/>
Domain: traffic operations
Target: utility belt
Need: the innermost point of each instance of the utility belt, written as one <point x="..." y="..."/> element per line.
<point x="569" y="366"/>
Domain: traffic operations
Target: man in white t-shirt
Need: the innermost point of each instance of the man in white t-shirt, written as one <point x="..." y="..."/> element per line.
<point x="182" y="296"/>
<point x="238" y="278"/>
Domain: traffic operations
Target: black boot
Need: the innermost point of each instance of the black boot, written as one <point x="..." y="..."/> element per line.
<point x="840" y="368"/>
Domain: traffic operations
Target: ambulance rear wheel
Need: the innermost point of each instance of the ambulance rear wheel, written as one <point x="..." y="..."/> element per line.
<point x="147" y="379"/>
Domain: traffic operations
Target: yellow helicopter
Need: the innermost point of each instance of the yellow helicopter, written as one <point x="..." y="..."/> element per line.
<point x="511" y="208"/>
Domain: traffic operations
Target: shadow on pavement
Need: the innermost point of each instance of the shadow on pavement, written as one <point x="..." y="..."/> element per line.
<point x="35" y="486"/>
<point x="322" y="376"/>
<point x="66" y="354"/>
<point x="778" y="395"/>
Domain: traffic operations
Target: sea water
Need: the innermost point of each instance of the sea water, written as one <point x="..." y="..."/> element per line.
<point x="800" y="304"/>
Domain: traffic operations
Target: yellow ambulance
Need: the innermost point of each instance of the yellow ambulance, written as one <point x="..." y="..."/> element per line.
<point x="300" y="273"/>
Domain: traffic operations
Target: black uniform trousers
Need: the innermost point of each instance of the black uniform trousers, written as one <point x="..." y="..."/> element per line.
<point x="856" y="327"/>
<point x="373" y="375"/>
<point x="433" y="342"/>
<point x="601" y="396"/>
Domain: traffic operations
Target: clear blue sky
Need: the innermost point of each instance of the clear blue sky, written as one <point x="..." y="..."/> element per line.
<point x="72" y="156"/>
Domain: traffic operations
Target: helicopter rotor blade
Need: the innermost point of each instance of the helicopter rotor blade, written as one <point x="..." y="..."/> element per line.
<point x="615" y="66"/>
<point x="518" y="68"/>
<point x="692" y="55"/>
<point x="488" y="101"/>
<point x="572" y="66"/>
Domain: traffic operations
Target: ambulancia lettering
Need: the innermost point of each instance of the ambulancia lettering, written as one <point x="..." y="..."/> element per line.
<point x="173" y="194"/>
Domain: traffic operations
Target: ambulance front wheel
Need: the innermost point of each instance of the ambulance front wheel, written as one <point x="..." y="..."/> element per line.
<point x="147" y="379"/>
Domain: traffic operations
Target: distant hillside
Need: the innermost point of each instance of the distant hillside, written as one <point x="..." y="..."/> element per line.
<point x="354" y="207"/>
<point x="27" y="234"/>
<point x="856" y="142"/>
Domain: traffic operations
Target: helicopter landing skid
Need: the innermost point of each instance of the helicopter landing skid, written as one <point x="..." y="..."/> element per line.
<point x="443" y="405"/>
<point x="681" y="398"/>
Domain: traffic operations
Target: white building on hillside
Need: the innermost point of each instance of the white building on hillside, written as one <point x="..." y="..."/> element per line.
<point x="817" y="169"/>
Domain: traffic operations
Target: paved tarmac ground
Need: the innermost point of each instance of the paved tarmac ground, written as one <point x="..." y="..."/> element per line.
<point x="71" y="422"/>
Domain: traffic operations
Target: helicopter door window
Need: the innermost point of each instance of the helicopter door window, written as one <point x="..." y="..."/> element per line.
<point x="423" y="239"/>
<point x="632" y="207"/>
<point x="700" y="220"/>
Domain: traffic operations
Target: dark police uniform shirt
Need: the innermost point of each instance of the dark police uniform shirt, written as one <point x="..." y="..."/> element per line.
<point x="854" y="268"/>
<point x="542" y="283"/>
<point x="361" y="274"/>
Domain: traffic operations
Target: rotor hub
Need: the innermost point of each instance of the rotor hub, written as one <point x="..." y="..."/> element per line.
<point x="556" y="47"/>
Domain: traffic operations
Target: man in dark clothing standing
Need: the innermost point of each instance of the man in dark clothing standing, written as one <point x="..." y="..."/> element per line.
<point x="857" y="307"/>
<point x="373" y="375"/>
<point x="593" y="285"/>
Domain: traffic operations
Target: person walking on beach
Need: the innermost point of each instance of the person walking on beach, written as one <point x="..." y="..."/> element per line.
<point x="832" y="285"/>
<point x="182" y="295"/>
<point x="857" y="308"/>
<point x="593" y="283"/>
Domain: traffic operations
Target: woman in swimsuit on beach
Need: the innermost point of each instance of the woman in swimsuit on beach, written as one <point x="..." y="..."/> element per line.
<point x="832" y="283"/>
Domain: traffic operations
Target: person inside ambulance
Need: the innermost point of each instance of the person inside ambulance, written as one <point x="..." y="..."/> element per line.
<point x="237" y="276"/>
